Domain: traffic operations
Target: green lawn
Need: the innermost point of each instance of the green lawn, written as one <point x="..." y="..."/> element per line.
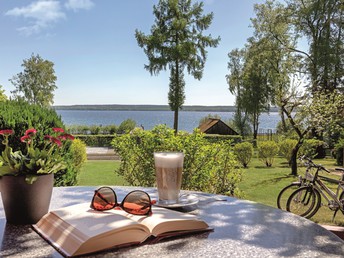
<point x="259" y="184"/>
<point x="100" y="172"/>
<point x="262" y="184"/>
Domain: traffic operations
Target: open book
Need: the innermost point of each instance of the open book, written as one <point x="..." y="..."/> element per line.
<point x="78" y="229"/>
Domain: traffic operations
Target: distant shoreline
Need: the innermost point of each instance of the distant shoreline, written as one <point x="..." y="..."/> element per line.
<point x="150" y="108"/>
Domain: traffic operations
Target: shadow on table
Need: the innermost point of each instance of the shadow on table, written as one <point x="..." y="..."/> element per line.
<point x="269" y="228"/>
<point x="235" y="222"/>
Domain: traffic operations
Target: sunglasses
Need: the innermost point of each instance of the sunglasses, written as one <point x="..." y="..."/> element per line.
<point x="136" y="202"/>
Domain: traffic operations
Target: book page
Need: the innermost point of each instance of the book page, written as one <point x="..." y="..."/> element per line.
<point x="92" y="223"/>
<point x="79" y="229"/>
<point x="165" y="220"/>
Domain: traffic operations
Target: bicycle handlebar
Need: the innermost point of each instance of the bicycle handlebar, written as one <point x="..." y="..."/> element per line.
<point x="312" y="164"/>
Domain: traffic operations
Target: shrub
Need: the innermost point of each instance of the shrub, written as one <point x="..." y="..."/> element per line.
<point x="286" y="148"/>
<point x="267" y="151"/>
<point x="207" y="167"/>
<point x="310" y="148"/>
<point x="96" y="140"/>
<point x="78" y="151"/>
<point x="243" y="152"/>
<point x="19" y="115"/>
<point x="338" y="152"/>
<point x="126" y="126"/>
<point x="215" y="138"/>
<point x="75" y="157"/>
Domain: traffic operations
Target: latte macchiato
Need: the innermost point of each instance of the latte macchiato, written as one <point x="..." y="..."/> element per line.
<point x="168" y="170"/>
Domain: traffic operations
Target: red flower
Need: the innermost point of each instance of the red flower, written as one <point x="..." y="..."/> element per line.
<point x="6" y="132"/>
<point x="47" y="137"/>
<point x="25" y="138"/>
<point x="56" y="141"/>
<point x="66" y="136"/>
<point x="30" y="132"/>
<point x="58" y="130"/>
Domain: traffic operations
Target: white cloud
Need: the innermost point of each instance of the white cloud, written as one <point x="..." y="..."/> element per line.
<point x="41" y="15"/>
<point x="76" y="5"/>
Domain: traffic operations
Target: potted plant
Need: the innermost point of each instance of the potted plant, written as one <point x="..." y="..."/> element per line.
<point x="27" y="178"/>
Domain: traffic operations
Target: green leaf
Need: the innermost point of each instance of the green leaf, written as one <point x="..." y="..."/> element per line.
<point x="30" y="179"/>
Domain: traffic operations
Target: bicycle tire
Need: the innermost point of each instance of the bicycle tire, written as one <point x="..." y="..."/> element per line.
<point x="341" y="199"/>
<point x="302" y="201"/>
<point x="316" y="206"/>
<point x="285" y="193"/>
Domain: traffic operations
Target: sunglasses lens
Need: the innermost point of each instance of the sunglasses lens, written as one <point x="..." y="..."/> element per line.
<point x="104" y="199"/>
<point x="137" y="203"/>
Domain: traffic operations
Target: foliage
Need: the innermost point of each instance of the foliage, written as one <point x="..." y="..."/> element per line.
<point x="78" y="153"/>
<point x="96" y="140"/>
<point x="310" y="148"/>
<point x="19" y="115"/>
<point x="126" y="126"/>
<point x="176" y="42"/>
<point x="286" y="148"/>
<point x="321" y="23"/>
<point x="326" y="112"/>
<point x="75" y="159"/>
<point x="338" y="152"/>
<point x="243" y="152"/>
<point x="35" y="160"/>
<point x="248" y="81"/>
<point x="36" y="82"/>
<point x="217" y="138"/>
<point x="3" y="97"/>
<point x="92" y="129"/>
<point x="278" y="27"/>
<point x="240" y="123"/>
<point x="207" y="167"/>
<point x="267" y="151"/>
<point x="285" y="130"/>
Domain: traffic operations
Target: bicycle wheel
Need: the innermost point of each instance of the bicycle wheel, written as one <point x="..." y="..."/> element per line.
<point x="285" y="193"/>
<point x="316" y="205"/>
<point x="302" y="201"/>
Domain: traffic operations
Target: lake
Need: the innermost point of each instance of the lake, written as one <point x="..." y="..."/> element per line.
<point x="188" y="120"/>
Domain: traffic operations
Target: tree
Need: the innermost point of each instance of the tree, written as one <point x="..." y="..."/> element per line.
<point x="176" y="42"/>
<point x="272" y="27"/>
<point x="323" y="112"/>
<point x="36" y="83"/>
<point x="292" y="106"/>
<point x="321" y="22"/>
<point x="235" y="82"/>
<point x="248" y="80"/>
<point x="3" y="97"/>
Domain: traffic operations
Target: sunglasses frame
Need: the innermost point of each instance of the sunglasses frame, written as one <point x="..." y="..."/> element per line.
<point x="121" y="205"/>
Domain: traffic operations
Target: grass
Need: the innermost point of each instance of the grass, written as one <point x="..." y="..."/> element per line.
<point x="100" y="172"/>
<point x="260" y="183"/>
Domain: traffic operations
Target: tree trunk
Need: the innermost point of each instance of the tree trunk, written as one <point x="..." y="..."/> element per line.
<point x="175" y="124"/>
<point x="293" y="159"/>
<point x="293" y="162"/>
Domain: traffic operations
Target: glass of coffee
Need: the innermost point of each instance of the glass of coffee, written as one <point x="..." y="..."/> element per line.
<point x="168" y="171"/>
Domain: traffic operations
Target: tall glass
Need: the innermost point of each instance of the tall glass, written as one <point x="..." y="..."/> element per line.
<point x="168" y="171"/>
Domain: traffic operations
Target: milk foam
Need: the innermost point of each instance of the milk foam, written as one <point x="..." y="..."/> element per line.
<point x="168" y="159"/>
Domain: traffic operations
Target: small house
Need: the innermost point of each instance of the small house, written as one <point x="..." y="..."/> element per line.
<point x="216" y="126"/>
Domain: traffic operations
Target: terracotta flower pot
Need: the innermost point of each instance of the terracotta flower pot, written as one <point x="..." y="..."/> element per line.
<point x="26" y="203"/>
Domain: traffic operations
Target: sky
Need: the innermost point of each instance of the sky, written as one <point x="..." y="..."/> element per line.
<point x="96" y="57"/>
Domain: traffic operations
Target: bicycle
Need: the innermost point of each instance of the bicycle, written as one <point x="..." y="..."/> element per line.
<point x="306" y="200"/>
<point x="285" y="193"/>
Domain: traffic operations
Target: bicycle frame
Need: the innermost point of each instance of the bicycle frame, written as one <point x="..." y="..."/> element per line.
<point x="321" y="187"/>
